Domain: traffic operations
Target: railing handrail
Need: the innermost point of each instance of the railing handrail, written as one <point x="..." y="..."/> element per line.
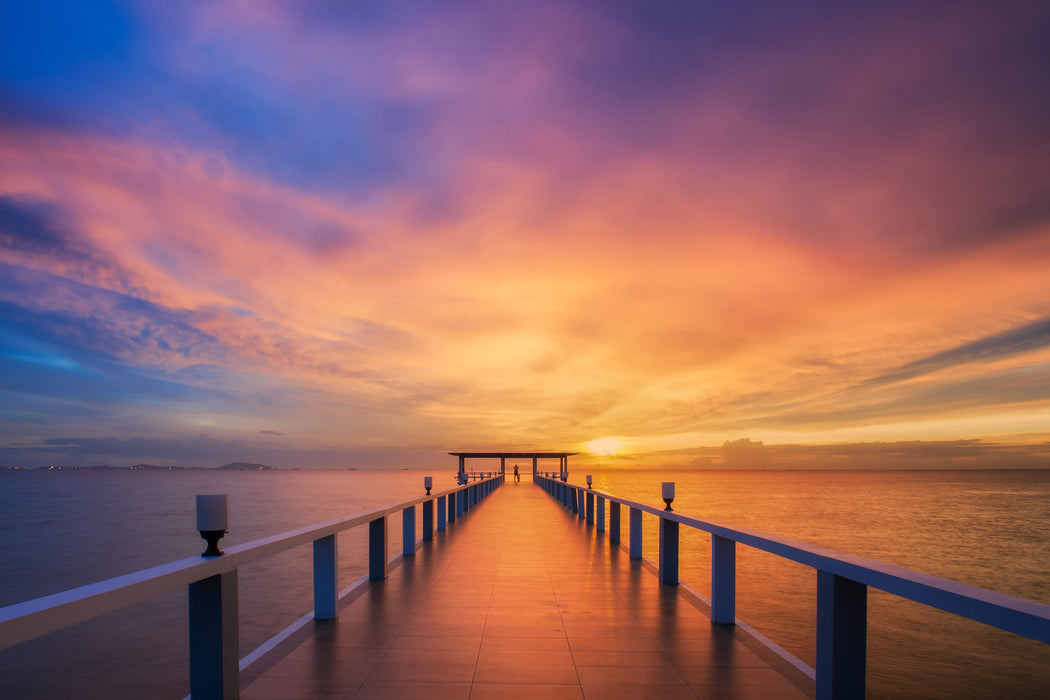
<point x="33" y="618"/>
<point x="1022" y="616"/>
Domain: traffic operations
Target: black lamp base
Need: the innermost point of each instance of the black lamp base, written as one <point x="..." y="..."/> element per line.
<point x="212" y="537"/>
<point x="668" y="502"/>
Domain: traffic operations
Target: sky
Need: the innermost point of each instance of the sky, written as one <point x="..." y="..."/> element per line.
<point x="329" y="234"/>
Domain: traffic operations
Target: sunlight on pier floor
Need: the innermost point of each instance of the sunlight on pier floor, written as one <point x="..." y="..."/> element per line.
<point x="520" y="599"/>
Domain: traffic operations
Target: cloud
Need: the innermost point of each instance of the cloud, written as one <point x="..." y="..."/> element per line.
<point x="1024" y="339"/>
<point x="745" y="453"/>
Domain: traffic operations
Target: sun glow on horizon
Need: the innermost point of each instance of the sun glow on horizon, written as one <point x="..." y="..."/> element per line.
<point x="606" y="446"/>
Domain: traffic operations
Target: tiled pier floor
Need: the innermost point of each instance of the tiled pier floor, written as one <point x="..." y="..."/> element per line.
<point x="520" y="599"/>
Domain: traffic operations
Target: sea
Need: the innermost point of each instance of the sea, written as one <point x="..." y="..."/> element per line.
<point x="67" y="528"/>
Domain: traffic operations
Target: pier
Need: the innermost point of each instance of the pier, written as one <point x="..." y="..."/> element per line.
<point x="537" y="588"/>
<point x="522" y="599"/>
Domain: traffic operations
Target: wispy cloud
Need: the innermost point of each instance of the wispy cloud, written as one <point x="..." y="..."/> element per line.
<point x="1016" y="341"/>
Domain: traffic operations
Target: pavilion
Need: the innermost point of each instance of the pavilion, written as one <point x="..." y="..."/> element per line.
<point x="562" y="457"/>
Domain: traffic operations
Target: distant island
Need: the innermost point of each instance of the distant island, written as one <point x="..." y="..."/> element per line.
<point x="232" y="466"/>
<point x="241" y="466"/>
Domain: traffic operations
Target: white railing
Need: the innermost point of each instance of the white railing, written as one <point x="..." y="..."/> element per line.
<point x="212" y="583"/>
<point x="842" y="583"/>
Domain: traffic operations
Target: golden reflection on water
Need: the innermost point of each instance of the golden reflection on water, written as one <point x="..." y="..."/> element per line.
<point x="989" y="529"/>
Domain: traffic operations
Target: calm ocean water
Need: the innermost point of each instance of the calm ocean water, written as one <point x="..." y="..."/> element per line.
<point x="991" y="529"/>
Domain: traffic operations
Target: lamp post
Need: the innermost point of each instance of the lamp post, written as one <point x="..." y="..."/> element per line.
<point x="428" y="483"/>
<point x="588" y="481"/>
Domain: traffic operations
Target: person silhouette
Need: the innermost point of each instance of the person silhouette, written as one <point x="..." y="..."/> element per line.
<point x="517" y="476"/>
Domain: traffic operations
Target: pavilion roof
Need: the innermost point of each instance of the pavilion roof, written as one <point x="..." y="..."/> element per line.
<point x="513" y="455"/>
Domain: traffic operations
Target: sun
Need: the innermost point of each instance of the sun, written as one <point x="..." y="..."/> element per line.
<point x="605" y="447"/>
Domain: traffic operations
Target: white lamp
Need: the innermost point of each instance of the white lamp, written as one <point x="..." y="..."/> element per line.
<point x="213" y="520"/>
<point x="428" y="483"/>
<point x="588" y="481"/>
<point x="668" y="493"/>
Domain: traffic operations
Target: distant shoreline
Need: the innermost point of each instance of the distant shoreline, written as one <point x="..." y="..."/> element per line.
<point x="232" y="466"/>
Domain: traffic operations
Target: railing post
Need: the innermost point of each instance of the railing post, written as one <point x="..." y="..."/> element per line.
<point x="442" y="512"/>
<point x="614" y="522"/>
<point x="326" y="578"/>
<point x="459" y="495"/>
<point x="842" y="629"/>
<point x="428" y="520"/>
<point x="377" y="549"/>
<point x="408" y="531"/>
<point x="723" y="580"/>
<point x="590" y="508"/>
<point x="214" y="657"/>
<point x="635" y="525"/>
<point x="581" y="508"/>
<point x="668" y="552"/>
<point x="600" y="515"/>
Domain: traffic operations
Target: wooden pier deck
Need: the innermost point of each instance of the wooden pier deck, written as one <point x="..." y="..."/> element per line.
<point x="520" y="599"/>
